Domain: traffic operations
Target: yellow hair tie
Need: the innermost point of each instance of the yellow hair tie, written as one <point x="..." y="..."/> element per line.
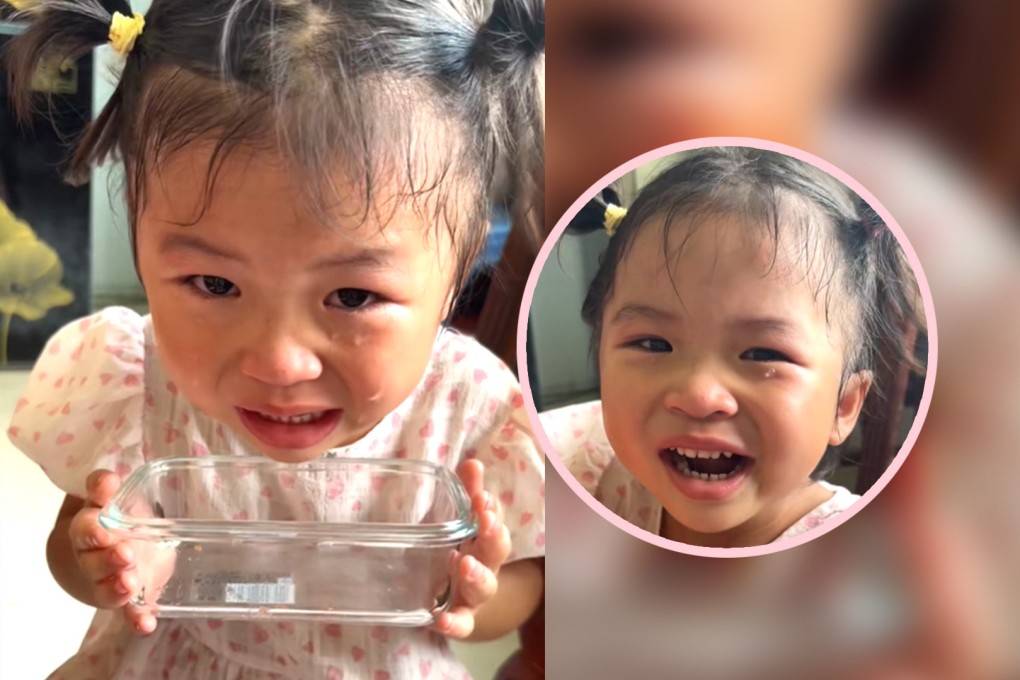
<point x="614" y="214"/>
<point x="125" y="30"/>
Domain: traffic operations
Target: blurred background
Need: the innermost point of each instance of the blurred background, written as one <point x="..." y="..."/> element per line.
<point x="919" y="100"/>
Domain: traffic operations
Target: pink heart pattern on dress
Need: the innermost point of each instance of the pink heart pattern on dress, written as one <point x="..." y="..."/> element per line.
<point x="427" y="430"/>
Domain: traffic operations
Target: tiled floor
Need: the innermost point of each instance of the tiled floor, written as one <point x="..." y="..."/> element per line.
<point x="33" y="606"/>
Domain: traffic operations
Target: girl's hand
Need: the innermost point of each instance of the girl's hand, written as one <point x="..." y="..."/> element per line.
<point x="475" y="567"/>
<point x="110" y="563"/>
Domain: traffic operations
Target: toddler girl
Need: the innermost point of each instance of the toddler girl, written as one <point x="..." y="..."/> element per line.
<point x="735" y="315"/>
<point x="308" y="184"/>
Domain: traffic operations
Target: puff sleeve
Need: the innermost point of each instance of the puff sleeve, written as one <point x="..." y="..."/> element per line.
<point x="83" y="407"/>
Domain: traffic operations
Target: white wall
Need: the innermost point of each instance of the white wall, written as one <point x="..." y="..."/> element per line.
<point x="560" y="338"/>
<point x="113" y="273"/>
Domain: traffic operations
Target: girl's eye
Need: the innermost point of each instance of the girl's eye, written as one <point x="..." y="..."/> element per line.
<point x="764" y="354"/>
<point x="351" y="298"/>
<point x="213" y="286"/>
<point x="653" y="345"/>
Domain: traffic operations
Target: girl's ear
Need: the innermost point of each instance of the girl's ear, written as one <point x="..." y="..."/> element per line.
<point x="848" y="409"/>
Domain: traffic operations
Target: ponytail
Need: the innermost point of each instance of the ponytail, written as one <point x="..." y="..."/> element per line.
<point x="67" y="30"/>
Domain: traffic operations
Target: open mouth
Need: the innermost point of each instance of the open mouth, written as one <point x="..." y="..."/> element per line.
<point x="293" y="431"/>
<point x="709" y="466"/>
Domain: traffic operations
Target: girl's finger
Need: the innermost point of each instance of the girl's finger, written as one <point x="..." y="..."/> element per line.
<point x="456" y="623"/>
<point x="472" y="475"/>
<point x="100" y="487"/>
<point x="492" y="545"/>
<point x="102" y="564"/>
<point x="87" y="534"/>
<point x="112" y="593"/>
<point x="141" y="622"/>
<point x="476" y="583"/>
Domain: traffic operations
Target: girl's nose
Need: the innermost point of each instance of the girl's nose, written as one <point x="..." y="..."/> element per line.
<point x="280" y="360"/>
<point x="700" y="394"/>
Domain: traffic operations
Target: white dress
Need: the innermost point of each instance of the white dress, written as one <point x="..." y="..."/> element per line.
<point x="99" y="398"/>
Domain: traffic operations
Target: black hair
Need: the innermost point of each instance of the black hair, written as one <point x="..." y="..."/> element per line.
<point x="322" y="81"/>
<point x="866" y="271"/>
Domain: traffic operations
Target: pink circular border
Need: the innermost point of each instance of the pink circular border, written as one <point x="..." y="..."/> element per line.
<point x="609" y="515"/>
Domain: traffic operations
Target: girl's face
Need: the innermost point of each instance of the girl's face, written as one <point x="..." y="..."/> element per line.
<point x="298" y="335"/>
<point x="742" y="361"/>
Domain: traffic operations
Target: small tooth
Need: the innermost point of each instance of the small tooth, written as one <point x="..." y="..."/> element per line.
<point x="703" y="476"/>
<point x="704" y="454"/>
<point x="727" y="454"/>
<point x="715" y="477"/>
<point x="714" y="455"/>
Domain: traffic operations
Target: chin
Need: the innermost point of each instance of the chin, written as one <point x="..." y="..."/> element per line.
<point x="708" y="523"/>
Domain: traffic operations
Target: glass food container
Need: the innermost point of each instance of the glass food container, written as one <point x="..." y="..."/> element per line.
<point x="363" y="541"/>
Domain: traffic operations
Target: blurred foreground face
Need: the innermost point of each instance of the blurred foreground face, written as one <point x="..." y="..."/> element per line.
<point x="627" y="77"/>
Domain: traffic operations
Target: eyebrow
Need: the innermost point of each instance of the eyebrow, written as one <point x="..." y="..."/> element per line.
<point x="369" y="258"/>
<point x="759" y="324"/>
<point x="768" y="324"/>
<point x="636" y="310"/>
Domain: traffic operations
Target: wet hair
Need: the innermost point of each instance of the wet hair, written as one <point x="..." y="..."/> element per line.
<point x="320" y="81"/>
<point x="869" y="289"/>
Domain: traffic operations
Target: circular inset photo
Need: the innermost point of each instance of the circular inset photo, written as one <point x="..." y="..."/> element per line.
<point x="729" y="346"/>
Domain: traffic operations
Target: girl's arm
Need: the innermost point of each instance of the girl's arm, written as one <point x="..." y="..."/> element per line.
<point x="60" y="555"/>
<point x="521" y="585"/>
